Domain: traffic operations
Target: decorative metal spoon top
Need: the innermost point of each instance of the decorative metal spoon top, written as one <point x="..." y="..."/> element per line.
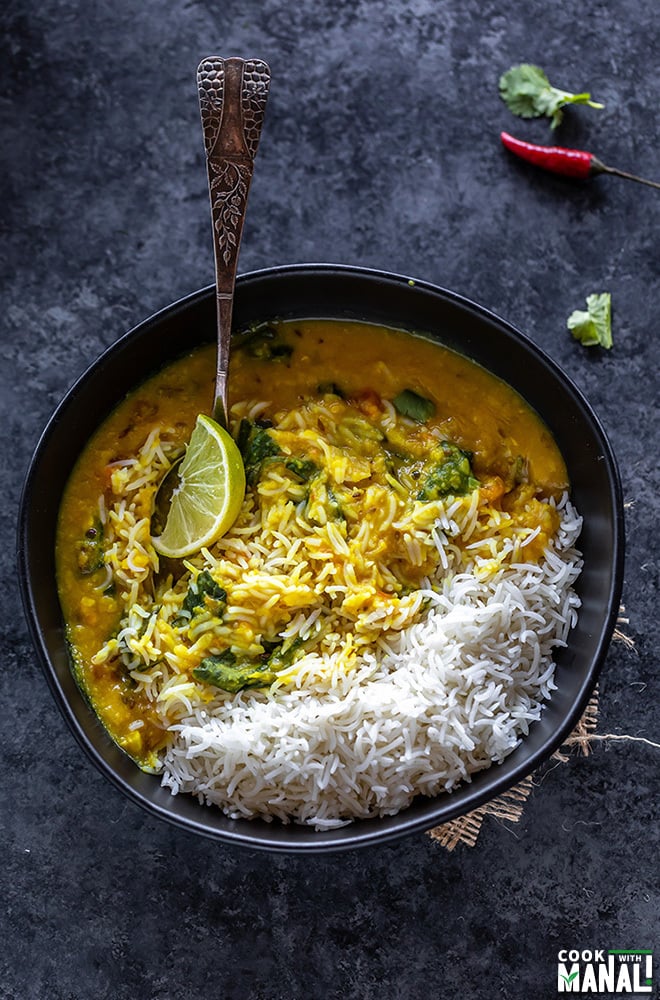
<point x="232" y="100"/>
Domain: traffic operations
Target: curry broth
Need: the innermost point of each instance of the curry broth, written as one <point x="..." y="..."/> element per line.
<point x="474" y="410"/>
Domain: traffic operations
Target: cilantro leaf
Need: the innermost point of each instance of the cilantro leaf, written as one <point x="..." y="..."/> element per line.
<point x="527" y="92"/>
<point x="593" y="327"/>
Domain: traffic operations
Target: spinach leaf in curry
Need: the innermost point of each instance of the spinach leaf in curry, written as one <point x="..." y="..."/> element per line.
<point x="204" y="594"/>
<point x="410" y="404"/>
<point x="450" y="474"/>
<point x="235" y="673"/>
<point x="256" y="446"/>
<point x="264" y="343"/>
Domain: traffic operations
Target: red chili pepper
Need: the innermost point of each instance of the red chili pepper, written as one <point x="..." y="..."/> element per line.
<point x="568" y="162"/>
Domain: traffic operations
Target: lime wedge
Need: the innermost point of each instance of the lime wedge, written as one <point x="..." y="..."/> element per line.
<point x="211" y="490"/>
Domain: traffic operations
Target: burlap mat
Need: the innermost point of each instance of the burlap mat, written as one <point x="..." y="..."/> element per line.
<point x="510" y="805"/>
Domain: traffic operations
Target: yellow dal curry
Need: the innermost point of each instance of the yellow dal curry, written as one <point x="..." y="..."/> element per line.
<point x="511" y="454"/>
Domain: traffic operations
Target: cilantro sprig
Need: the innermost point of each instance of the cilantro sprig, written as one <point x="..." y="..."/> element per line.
<point x="593" y="327"/>
<point x="527" y="92"/>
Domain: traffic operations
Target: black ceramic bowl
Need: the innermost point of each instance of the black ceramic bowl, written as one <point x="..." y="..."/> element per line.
<point x="329" y="291"/>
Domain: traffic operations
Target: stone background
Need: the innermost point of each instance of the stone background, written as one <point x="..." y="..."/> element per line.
<point x="381" y="149"/>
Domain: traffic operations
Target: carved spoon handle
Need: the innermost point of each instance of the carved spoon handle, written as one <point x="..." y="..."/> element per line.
<point x="232" y="101"/>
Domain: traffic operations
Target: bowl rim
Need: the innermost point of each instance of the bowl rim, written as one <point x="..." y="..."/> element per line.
<point x="370" y="831"/>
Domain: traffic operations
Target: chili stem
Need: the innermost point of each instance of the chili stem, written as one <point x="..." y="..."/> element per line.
<point x="600" y="168"/>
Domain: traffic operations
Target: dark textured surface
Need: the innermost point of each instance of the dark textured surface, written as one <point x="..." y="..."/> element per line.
<point x="380" y="148"/>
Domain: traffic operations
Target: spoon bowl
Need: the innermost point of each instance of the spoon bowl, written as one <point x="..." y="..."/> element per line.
<point x="163" y="498"/>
